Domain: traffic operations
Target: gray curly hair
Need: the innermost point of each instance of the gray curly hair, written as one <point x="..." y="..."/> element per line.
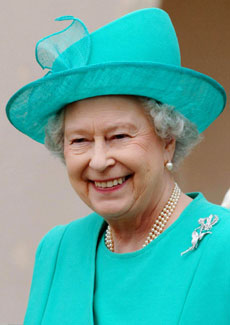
<point x="168" y="124"/>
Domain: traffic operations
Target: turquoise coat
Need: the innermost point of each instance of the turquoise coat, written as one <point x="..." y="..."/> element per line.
<point x="62" y="289"/>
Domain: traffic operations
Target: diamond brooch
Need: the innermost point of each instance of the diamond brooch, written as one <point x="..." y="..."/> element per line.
<point x="206" y="225"/>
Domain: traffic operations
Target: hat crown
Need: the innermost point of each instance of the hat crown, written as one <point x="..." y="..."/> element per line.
<point x="145" y="35"/>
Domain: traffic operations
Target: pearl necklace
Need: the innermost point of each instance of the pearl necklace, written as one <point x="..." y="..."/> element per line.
<point x="159" y="223"/>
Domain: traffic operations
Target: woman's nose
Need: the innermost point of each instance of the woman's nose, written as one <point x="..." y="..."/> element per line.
<point x="101" y="158"/>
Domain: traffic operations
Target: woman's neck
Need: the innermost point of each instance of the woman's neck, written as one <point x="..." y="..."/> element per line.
<point x="130" y="234"/>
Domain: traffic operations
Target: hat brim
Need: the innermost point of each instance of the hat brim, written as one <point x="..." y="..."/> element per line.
<point x="198" y="97"/>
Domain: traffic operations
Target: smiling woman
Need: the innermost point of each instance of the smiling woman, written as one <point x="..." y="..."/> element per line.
<point x="121" y="121"/>
<point x="101" y="156"/>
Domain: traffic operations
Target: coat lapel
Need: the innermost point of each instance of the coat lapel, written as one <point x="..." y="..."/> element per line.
<point x="71" y="295"/>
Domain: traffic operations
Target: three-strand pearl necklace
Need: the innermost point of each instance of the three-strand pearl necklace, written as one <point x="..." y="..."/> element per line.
<point x="159" y="223"/>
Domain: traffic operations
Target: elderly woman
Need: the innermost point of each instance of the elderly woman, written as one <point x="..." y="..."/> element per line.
<point x="121" y="113"/>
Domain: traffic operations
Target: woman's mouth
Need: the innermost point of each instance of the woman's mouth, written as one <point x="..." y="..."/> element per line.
<point x="110" y="184"/>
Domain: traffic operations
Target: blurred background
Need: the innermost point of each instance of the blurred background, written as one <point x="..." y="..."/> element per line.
<point x="35" y="192"/>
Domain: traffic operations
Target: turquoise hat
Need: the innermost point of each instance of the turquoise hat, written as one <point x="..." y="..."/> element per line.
<point x="137" y="54"/>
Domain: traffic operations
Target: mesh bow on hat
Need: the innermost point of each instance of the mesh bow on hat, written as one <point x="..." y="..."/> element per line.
<point x="137" y="54"/>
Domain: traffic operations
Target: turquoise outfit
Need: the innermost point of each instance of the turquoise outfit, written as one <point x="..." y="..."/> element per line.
<point x="77" y="280"/>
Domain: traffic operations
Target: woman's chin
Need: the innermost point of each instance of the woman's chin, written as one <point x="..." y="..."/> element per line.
<point x="110" y="211"/>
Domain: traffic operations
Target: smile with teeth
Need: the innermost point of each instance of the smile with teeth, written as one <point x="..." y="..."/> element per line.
<point x="114" y="182"/>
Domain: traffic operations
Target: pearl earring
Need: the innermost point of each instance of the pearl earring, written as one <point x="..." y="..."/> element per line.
<point x="169" y="165"/>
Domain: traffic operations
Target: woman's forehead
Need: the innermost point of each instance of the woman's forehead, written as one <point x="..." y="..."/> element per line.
<point x="113" y="102"/>
<point x="108" y="111"/>
<point x="100" y="127"/>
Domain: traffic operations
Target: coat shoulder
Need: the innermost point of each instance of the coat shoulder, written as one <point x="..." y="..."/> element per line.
<point x="221" y="230"/>
<point x="53" y="237"/>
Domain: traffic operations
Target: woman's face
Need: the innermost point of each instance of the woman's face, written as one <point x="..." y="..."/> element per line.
<point x="115" y="161"/>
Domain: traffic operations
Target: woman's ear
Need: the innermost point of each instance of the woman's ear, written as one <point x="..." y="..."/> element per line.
<point x="169" y="148"/>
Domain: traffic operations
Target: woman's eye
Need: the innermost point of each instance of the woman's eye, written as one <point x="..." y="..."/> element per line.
<point x="80" y="140"/>
<point x="120" y="136"/>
